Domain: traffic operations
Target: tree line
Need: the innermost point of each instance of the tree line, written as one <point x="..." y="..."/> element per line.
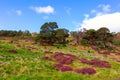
<point x="51" y="34"/>
<point x="11" y="33"/>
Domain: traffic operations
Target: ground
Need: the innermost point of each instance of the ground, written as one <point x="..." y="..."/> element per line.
<point x="23" y="60"/>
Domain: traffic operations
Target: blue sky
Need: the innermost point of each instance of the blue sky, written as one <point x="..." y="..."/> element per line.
<point x="69" y="14"/>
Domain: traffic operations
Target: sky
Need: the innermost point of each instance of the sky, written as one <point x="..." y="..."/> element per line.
<point x="73" y="15"/>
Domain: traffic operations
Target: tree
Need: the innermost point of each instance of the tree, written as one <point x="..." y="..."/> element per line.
<point x="77" y="36"/>
<point x="101" y="37"/>
<point x="47" y="32"/>
<point x="61" y="35"/>
<point x="90" y="36"/>
<point x="26" y="33"/>
<point x="103" y="33"/>
<point x="51" y="34"/>
<point x="49" y="26"/>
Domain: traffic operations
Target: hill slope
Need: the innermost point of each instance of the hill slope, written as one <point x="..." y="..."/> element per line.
<point x="25" y="60"/>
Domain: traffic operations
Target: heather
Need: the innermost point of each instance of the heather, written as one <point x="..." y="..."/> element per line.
<point x="22" y="59"/>
<point x="85" y="71"/>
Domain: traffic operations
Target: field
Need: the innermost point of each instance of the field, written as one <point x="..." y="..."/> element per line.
<point x="26" y="60"/>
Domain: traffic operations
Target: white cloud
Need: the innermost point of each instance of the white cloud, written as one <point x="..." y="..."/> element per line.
<point x="45" y="10"/>
<point x="110" y="21"/>
<point x="18" y="12"/>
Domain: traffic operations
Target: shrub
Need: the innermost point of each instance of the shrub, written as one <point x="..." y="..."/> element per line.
<point x="63" y="59"/>
<point x="116" y="42"/>
<point x="71" y="56"/>
<point x="100" y="63"/>
<point x="62" y="68"/>
<point x="84" y="42"/>
<point x="85" y="71"/>
<point x="96" y="63"/>
<point x="65" y="68"/>
<point x="58" y="56"/>
<point x="83" y="60"/>
<point x="57" y="66"/>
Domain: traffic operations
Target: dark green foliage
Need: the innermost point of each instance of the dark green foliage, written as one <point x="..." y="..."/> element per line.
<point x="61" y="35"/>
<point x="115" y="42"/>
<point x="100" y="38"/>
<point x="84" y="42"/>
<point x="10" y="33"/>
<point x="51" y="34"/>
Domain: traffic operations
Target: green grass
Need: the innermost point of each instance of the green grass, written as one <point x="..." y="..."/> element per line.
<point x="29" y="65"/>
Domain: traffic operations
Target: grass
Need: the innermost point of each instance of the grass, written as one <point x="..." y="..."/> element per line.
<point x="29" y="65"/>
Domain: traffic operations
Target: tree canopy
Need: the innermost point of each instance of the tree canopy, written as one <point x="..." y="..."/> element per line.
<point x="50" y="34"/>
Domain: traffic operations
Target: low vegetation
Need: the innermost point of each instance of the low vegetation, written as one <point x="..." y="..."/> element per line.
<point x="56" y="54"/>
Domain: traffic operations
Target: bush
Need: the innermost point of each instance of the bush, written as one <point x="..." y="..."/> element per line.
<point x="64" y="58"/>
<point x="109" y="47"/>
<point x="59" y="46"/>
<point x="65" y="68"/>
<point x="115" y="42"/>
<point x="96" y="63"/>
<point x="62" y="68"/>
<point x="85" y="61"/>
<point x="84" y="42"/>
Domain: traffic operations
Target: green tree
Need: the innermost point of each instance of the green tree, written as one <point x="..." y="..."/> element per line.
<point x="26" y="34"/>
<point x="50" y="34"/>
<point x="103" y="33"/>
<point x="61" y="35"/>
<point x="47" y="33"/>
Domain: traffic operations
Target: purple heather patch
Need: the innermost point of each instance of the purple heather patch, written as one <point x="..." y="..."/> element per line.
<point x="62" y="68"/>
<point x="62" y="58"/>
<point x="100" y="63"/>
<point x="85" y="71"/>
<point x="12" y="51"/>
<point x="83" y="60"/>
<point x="96" y="63"/>
<point x="47" y="58"/>
<point x="65" y="68"/>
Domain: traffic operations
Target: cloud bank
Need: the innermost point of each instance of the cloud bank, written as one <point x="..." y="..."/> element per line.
<point x="103" y="18"/>
<point x="111" y="21"/>
<point x="45" y="10"/>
